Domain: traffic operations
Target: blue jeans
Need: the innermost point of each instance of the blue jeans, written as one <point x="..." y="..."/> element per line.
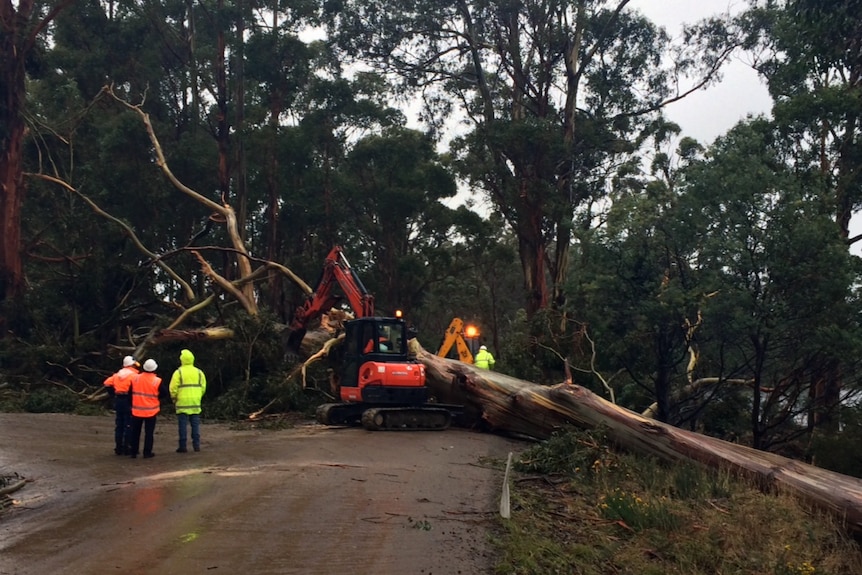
<point x="183" y="420"/>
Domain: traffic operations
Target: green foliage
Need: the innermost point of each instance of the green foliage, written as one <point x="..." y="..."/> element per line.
<point x="726" y="412"/>
<point x="13" y="402"/>
<point x="398" y="178"/>
<point x="778" y="269"/>
<point x="517" y="359"/>
<point x="567" y="452"/>
<point x="474" y="277"/>
<point x="838" y="451"/>
<point x="539" y="161"/>
<point x="240" y="369"/>
<point x="234" y="403"/>
<point x="551" y="340"/>
<point x="273" y="391"/>
<point x="51" y="401"/>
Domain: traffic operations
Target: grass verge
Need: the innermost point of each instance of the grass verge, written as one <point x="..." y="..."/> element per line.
<point x="580" y="507"/>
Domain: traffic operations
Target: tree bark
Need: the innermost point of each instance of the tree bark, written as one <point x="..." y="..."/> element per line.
<point x="506" y="404"/>
<point x="20" y="25"/>
<point x="12" y="84"/>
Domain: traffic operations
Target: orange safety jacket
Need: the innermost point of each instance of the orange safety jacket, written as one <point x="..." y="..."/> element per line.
<point x="145" y="395"/>
<point x="122" y="380"/>
<point x="369" y="347"/>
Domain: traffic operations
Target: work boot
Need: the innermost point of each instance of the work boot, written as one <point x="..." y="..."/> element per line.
<point x="182" y="450"/>
<point x="197" y="447"/>
<point x="148" y="455"/>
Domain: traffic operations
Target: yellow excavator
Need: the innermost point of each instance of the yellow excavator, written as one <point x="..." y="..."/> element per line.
<point x="460" y="336"/>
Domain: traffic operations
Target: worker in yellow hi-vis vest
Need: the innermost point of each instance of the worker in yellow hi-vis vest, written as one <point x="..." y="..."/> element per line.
<point x="188" y="385"/>
<point x="484" y="359"/>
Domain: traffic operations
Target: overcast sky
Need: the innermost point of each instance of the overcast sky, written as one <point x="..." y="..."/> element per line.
<point x="709" y="113"/>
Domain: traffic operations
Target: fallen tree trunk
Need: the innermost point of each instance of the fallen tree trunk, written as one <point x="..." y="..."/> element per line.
<point x="508" y="404"/>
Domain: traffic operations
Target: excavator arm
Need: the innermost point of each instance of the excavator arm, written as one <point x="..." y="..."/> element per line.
<point x="455" y="336"/>
<point x="336" y="272"/>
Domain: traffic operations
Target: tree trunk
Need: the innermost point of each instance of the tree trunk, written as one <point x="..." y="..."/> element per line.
<point x="12" y="130"/>
<point x="239" y="127"/>
<point x="276" y="296"/>
<point x="11" y="198"/>
<point x="507" y="404"/>
<point x="531" y="248"/>
<point x="18" y="32"/>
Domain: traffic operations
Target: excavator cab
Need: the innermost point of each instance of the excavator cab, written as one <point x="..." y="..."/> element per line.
<point x="382" y="386"/>
<point x="377" y="366"/>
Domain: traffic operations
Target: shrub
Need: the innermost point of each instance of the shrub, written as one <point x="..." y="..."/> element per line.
<point x="51" y="401"/>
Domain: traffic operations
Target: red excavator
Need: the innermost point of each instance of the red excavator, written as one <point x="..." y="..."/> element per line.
<point x="381" y="385"/>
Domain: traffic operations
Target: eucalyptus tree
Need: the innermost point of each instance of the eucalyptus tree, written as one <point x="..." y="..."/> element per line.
<point x="99" y="149"/>
<point x="279" y="68"/>
<point x="302" y="160"/>
<point x="639" y="293"/>
<point x="554" y="95"/>
<point x="394" y="187"/>
<point x="23" y="29"/>
<point x="782" y="315"/>
<point x="808" y="52"/>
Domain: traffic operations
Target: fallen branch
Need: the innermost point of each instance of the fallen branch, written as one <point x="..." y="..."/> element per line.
<point x="11" y="487"/>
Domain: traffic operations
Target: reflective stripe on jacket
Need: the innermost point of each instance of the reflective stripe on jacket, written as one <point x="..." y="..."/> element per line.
<point x="145" y="395"/>
<point x="188" y="395"/>
<point x="188" y="385"/>
<point x="121" y="380"/>
<point x="484" y="359"/>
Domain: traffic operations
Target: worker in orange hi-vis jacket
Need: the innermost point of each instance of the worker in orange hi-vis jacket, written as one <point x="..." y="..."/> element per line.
<point x="147" y="392"/>
<point x="118" y="384"/>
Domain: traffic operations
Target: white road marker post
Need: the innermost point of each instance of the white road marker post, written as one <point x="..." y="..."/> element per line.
<point x="505" y="510"/>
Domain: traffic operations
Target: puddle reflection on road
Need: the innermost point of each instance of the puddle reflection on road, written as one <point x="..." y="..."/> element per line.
<point x="152" y="494"/>
<point x="146" y="501"/>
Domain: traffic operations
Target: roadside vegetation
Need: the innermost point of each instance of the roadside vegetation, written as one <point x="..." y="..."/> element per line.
<point x="579" y="506"/>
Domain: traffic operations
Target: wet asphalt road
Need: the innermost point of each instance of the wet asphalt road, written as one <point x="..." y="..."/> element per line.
<point x="311" y="500"/>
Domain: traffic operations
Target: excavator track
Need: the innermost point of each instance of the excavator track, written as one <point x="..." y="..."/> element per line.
<point x="406" y="418"/>
<point x="339" y="413"/>
<point x="397" y="418"/>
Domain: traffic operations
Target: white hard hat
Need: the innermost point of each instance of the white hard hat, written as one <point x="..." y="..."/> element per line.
<point x="483" y="347"/>
<point x="128" y="361"/>
<point x="150" y="365"/>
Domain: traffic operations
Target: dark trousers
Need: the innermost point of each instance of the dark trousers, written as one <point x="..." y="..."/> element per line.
<point x="149" y="426"/>
<point x="122" y="423"/>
